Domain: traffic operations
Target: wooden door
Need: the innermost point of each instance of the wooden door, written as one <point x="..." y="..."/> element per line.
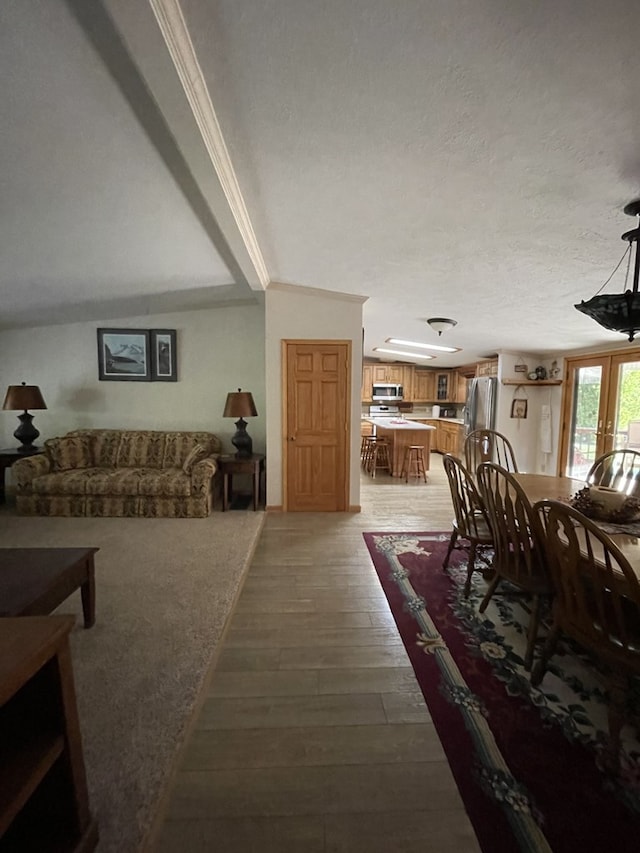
<point x="601" y="401"/>
<point x="317" y="425"/>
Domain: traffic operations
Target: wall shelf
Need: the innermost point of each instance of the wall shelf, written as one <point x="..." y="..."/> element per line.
<point x="532" y="381"/>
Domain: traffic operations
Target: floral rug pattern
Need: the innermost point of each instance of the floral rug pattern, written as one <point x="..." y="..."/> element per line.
<point x="525" y="759"/>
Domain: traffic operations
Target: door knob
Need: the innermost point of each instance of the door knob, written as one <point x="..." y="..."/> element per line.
<point x="292" y="438"/>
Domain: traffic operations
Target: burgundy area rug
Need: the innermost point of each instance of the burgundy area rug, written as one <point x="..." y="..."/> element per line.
<point x="525" y="759"/>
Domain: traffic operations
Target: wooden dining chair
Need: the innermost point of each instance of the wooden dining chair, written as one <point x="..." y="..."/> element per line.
<point x="487" y="445"/>
<point x="619" y="470"/>
<point x="596" y="602"/>
<point x="518" y="542"/>
<point x="470" y="523"/>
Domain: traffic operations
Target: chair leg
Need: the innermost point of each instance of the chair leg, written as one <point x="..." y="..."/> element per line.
<point x="452" y="542"/>
<point x="617" y="705"/>
<point x="470" y="569"/>
<point x="492" y="588"/>
<point x="532" y="631"/>
<point x="548" y="650"/>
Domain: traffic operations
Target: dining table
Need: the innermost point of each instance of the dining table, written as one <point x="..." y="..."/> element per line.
<point x="539" y="487"/>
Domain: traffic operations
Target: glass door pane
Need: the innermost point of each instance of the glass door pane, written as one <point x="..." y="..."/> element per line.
<point x="622" y="422"/>
<point x="585" y="438"/>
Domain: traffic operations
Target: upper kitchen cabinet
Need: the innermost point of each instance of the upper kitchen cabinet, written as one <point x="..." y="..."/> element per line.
<point x="487" y="368"/>
<point x="367" y="383"/>
<point x="393" y="373"/>
<point x="443" y="387"/>
<point x="424" y="386"/>
<point x="461" y="388"/>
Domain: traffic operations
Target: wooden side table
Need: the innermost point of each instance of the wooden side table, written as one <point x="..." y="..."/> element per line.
<point x="8" y="456"/>
<point x="230" y="465"/>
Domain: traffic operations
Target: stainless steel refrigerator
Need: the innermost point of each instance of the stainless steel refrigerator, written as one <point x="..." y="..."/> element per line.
<point x="480" y="408"/>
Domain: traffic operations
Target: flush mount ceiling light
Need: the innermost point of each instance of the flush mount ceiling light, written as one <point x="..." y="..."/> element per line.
<point x="441" y="324"/>
<point x="619" y="312"/>
<point x="437" y="347"/>
<point x="399" y="352"/>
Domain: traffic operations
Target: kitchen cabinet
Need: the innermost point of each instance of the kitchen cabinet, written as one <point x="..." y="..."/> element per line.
<point x="448" y="437"/>
<point x="461" y="388"/>
<point x="380" y="372"/>
<point x="487" y="368"/>
<point x="444" y="386"/>
<point x="367" y="382"/>
<point x="424" y="386"/>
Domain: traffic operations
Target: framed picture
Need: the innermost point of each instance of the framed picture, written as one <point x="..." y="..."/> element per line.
<point x="164" y="358"/>
<point x="519" y="408"/>
<point x="124" y="355"/>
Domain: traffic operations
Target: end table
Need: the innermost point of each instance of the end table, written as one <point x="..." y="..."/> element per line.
<point x="8" y="456"/>
<point x="232" y="464"/>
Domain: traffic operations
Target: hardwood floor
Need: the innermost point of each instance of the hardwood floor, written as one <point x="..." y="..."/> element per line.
<point x="314" y="736"/>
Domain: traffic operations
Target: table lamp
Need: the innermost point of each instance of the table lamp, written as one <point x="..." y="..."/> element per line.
<point x="24" y="397"/>
<point x="240" y="405"/>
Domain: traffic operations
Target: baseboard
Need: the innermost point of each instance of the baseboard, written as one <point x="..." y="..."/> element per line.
<point x="273" y="508"/>
<point x="355" y="508"/>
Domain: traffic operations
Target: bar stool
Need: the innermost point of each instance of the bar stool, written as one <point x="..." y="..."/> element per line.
<point x="366" y="449"/>
<point x="414" y="457"/>
<point x="379" y="457"/>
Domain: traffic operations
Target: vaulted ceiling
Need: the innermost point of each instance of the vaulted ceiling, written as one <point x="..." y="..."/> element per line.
<point x="457" y="158"/>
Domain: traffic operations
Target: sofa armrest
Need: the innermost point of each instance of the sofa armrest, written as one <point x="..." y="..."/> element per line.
<point x="201" y="474"/>
<point x="24" y="471"/>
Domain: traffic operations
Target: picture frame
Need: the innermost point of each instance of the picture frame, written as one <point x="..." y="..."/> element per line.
<point x="519" y="406"/>
<point x="164" y="356"/>
<point x="124" y="355"/>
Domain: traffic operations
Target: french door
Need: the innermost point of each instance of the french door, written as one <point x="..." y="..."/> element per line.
<point x="601" y="408"/>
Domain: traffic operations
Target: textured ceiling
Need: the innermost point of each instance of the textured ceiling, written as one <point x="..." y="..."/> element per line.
<point x="460" y="158"/>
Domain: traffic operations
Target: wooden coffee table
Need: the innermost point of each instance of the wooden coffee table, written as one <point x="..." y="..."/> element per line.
<point x="34" y="581"/>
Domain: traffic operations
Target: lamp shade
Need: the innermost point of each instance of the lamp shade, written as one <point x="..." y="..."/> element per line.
<point x="239" y="405"/>
<point x="23" y="397"/>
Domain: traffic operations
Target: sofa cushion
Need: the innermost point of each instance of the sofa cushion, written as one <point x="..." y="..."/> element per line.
<point x="70" y="452"/>
<point x="179" y="444"/>
<point x="104" y="445"/>
<point x="170" y="482"/>
<point x="114" y="481"/>
<point x="62" y="483"/>
<point x="196" y="453"/>
<point x="141" y="449"/>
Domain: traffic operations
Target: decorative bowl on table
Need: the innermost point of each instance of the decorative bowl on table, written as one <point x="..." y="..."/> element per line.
<point x="602" y="503"/>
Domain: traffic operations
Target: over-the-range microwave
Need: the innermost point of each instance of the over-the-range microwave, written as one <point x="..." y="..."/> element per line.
<point x="386" y="391"/>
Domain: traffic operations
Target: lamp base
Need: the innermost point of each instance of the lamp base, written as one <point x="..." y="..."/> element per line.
<point x="242" y="440"/>
<point x="26" y="433"/>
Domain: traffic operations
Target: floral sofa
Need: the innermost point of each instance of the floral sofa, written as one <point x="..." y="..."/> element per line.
<point x="105" y="472"/>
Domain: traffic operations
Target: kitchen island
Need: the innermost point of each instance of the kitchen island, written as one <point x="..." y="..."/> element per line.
<point x="400" y="433"/>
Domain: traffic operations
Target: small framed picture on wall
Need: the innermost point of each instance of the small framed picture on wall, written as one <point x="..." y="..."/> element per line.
<point x="519" y="408"/>
<point x="164" y="358"/>
<point x="124" y="355"/>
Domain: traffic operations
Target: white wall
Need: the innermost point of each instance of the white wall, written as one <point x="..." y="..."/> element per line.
<point x="218" y="349"/>
<point x="305" y="313"/>
<point x="525" y="433"/>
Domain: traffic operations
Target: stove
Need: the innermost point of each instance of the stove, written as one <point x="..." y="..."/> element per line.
<point x="383" y="411"/>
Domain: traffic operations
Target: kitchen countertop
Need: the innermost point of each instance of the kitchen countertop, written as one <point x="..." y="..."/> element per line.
<point x="388" y="423"/>
<point x="412" y="416"/>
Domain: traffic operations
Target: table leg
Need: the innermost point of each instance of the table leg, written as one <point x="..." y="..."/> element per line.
<point x="256" y="486"/>
<point x="3" y="469"/>
<point x="88" y="593"/>
<point x="225" y="491"/>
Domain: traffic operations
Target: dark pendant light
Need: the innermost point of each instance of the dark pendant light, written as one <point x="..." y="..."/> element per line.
<point x="619" y="312"/>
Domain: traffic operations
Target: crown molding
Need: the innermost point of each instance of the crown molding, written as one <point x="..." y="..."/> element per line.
<point x="316" y="291"/>
<point x="173" y="27"/>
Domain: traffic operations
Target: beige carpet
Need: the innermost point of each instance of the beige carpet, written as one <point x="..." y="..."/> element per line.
<point x="165" y="588"/>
